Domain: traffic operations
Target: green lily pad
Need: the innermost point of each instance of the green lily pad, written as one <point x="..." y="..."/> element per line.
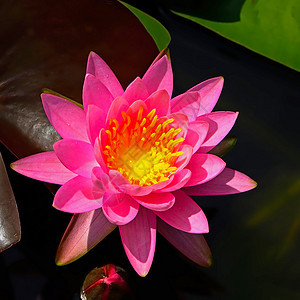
<point x="268" y="27"/>
<point x="158" y="32"/>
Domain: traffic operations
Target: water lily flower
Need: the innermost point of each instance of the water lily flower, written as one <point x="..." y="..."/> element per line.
<point x="132" y="159"/>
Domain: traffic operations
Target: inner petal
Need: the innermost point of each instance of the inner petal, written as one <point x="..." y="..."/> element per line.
<point x="143" y="148"/>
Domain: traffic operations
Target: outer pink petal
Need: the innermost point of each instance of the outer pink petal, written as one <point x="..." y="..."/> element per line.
<point x="220" y="123"/>
<point x="119" y="208"/>
<point x="118" y="105"/>
<point x="43" y="166"/>
<point x="188" y="104"/>
<point x="67" y="118"/>
<point x="95" y="121"/>
<point x="84" y="231"/>
<point x="95" y="93"/>
<point x="204" y="167"/>
<point x="78" y="195"/>
<point x="196" y="134"/>
<point x="210" y="91"/>
<point x="77" y="156"/>
<point x="191" y="245"/>
<point x="179" y="180"/>
<point x="136" y="90"/>
<point x="97" y="67"/>
<point x="159" y="100"/>
<point x="139" y="238"/>
<point x="185" y="214"/>
<point x="228" y="182"/>
<point x="159" y="76"/>
<point x="158" y="202"/>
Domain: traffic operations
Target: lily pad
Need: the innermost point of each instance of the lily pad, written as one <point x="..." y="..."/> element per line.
<point x="158" y="32"/>
<point x="270" y="28"/>
<point x="10" y="229"/>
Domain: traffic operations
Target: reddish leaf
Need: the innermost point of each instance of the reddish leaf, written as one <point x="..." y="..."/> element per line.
<point x="10" y="230"/>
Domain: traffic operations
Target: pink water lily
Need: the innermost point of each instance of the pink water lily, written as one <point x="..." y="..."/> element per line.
<point x="132" y="159"/>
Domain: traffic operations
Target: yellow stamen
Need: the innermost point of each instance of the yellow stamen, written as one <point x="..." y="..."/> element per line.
<point x="140" y="113"/>
<point x="151" y="114"/>
<point x="153" y="121"/>
<point x="143" y="122"/>
<point x="167" y="122"/>
<point x="143" y="148"/>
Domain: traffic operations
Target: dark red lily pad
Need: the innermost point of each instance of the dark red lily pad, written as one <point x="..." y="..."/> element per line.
<point x="10" y="229"/>
<point x="45" y="44"/>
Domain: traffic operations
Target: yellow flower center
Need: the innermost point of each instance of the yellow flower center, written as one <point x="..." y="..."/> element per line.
<point x="143" y="148"/>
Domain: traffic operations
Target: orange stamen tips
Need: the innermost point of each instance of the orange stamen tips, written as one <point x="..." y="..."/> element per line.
<point x="143" y="148"/>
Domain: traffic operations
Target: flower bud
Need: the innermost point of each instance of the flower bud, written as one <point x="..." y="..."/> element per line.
<point x="106" y="283"/>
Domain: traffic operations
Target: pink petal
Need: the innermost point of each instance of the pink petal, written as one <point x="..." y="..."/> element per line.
<point x="184" y="159"/>
<point x="134" y="108"/>
<point x="196" y="134"/>
<point x="136" y="90"/>
<point x="78" y="195"/>
<point x="118" y="105"/>
<point x="124" y="185"/>
<point x="134" y="189"/>
<point x="43" y="166"/>
<point x="98" y="150"/>
<point x="179" y="180"/>
<point x="96" y="93"/>
<point x="119" y="208"/>
<point x="84" y="231"/>
<point x="204" y="167"/>
<point x="220" y="123"/>
<point x="77" y="156"/>
<point x="95" y="121"/>
<point x="159" y="100"/>
<point x="185" y="214"/>
<point x="97" y="67"/>
<point x="162" y="184"/>
<point x="210" y="91"/>
<point x="159" y="76"/>
<point x="180" y="121"/>
<point x="188" y="104"/>
<point x="191" y="245"/>
<point x="228" y="182"/>
<point x="102" y="181"/>
<point x="139" y="238"/>
<point x="158" y="202"/>
<point x="67" y="118"/>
